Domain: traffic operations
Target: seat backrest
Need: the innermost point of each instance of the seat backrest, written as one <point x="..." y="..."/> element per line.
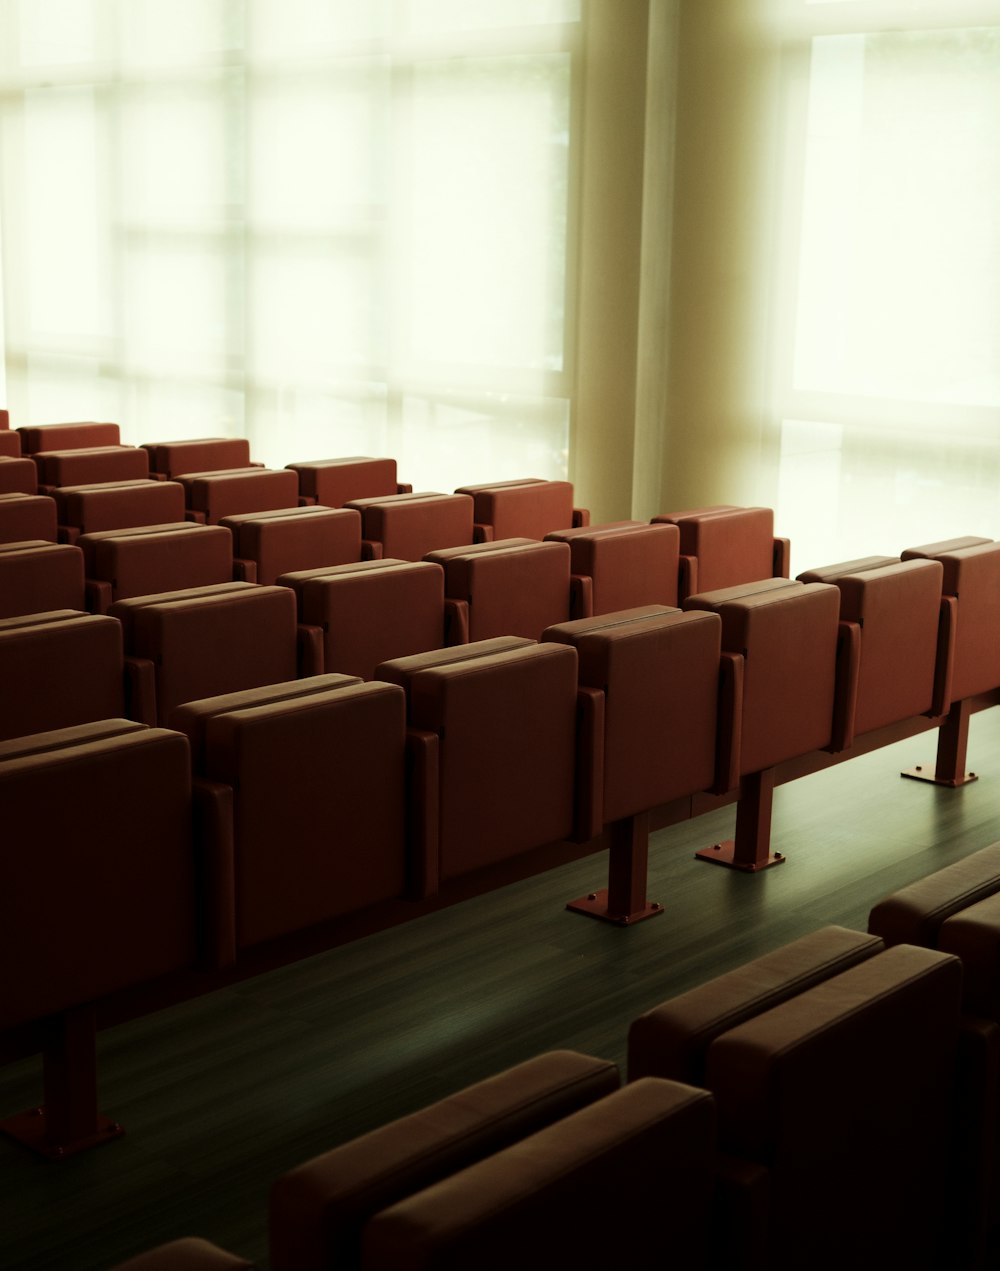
<point x="319" y="1210"/>
<point x="528" y="508"/>
<point x="212" y="496"/>
<point x="639" y="1164"/>
<point x="37" y="577"/>
<point x="68" y="436"/>
<point x="17" y="476"/>
<point x="730" y="544"/>
<point x="372" y="611"/>
<point x="513" y="586"/>
<point x="88" y="913"/>
<point x="914" y="914"/>
<point x="198" y="640"/>
<point x="629" y="564"/>
<point x="92" y="464"/>
<point x="659" y="671"/>
<point x="27" y="516"/>
<point x="409" y="526"/>
<point x="117" y="505"/>
<point x="149" y="559"/>
<point x="201" y="454"/>
<point x="292" y="539"/>
<point x="336" y="482"/>
<point x="10" y="443"/>
<point x="59" y="669"/>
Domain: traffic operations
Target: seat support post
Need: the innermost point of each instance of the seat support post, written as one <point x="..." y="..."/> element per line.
<point x="750" y="851"/>
<point x="623" y="901"/>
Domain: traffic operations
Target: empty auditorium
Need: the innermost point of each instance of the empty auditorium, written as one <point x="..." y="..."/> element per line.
<point x="499" y="635"/>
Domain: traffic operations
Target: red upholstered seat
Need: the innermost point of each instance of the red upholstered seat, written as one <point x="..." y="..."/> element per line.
<point x="408" y="526"/>
<point x="171" y="459"/>
<point x="336" y="482"/>
<point x="635" y="1170"/>
<point x="17" y="476"/>
<point x="188" y="1254"/>
<point x="184" y="645"/>
<point x="149" y="559"/>
<point x="528" y="508"/>
<point x="624" y="565"/>
<point x="725" y="545"/>
<point x="498" y="737"/>
<point x="36" y="577"/>
<point x="68" y="436"/>
<point x="512" y="586"/>
<point x="316" y="802"/>
<point x="59" y="669"/>
<point x="293" y="539"/>
<point x="319" y="1210"/>
<point x="212" y="496"/>
<point x="10" y="443"/>
<point x="91" y="465"/>
<point x="373" y="611"/>
<point x="27" y="516"/>
<point x="116" y="505"/>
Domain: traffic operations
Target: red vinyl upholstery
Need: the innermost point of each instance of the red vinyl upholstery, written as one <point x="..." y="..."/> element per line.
<point x="408" y="526"/>
<point x="59" y="669"/>
<point x="501" y="729"/>
<point x="90" y="465"/>
<point x="150" y="559"/>
<point x="725" y="545"/>
<point x="188" y="1254"/>
<point x="318" y="1211"/>
<point x="68" y="436"/>
<point x="635" y="1170"/>
<point x="372" y="611"/>
<point x="529" y="508"/>
<point x="629" y="563"/>
<point x="335" y="482"/>
<point x="36" y="577"/>
<point x="185" y="645"/>
<point x="171" y="459"/>
<point x="116" y="505"/>
<point x="27" y="516"/>
<point x="10" y="443"/>
<point x="295" y="539"/>
<point x="17" y="476"/>
<point x="212" y="496"/>
<point x="512" y="586"/>
<point x="318" y="804"/>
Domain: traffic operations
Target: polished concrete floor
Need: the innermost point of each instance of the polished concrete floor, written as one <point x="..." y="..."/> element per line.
<point x="222" y="1094"/>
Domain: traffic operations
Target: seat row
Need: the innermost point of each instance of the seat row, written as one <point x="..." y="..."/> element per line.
<point x="830" y="1104"/>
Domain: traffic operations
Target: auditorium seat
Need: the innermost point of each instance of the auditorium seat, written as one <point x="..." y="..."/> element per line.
<point x="623" y="565"/>
<point x="184" y="645"/>
<point x="495" y="727"/>
<point x="72" y="436"/>
<point x="779" y="660"/>
<point x="834" y="1070"/>
<point x="308" y="789"/>
<point x="318" y="1210"/>
<point x="527" y="508"/>
<point x="283" y="541"/>
<point x="59" y="669"/>
<point x="116" y="505"/>
<point x="373" y="611"/>
<point x="149" y="559"/>
<point x="10" y="443"/>
<point x="212" y="496"/>
<point x="172" y="459"/>
<point x="89" y="914"/>
<point x="333" y="483"/>
<point x="27" y="516"/>
<point x="17" y="476"/>
<point x="656" y="673"/>
<point x="188" y="1254"/>
<point x="510" y="586"/>
<point x="90" y="465"/>
<point x="889" y="633"/>
<point x="408" y="526"/>
<point x="724" y="545"/>
<point x="37" y="577"/>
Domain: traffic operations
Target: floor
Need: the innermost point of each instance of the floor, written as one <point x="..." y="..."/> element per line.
<point x="222" y="1094"/>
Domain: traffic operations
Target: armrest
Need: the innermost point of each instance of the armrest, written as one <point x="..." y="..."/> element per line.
<point x="140" y="690"/>
<point x="97" y="595"/>
<point x="370" y="549"/>
<point x="581" y="518"/>
<point x="845" y="694"/>
<point x="456" y="622"/>
<point x="67" y="533"/>
<point x="213" y="830"/>
<point x="730" y="723"/>
<point x="581" y="596"/>
<point x="482" y="533"/>
<point x="423" y="803"/>
<point x="310" y="650"/>
<point x="781" y="557"/>
<point x="687" y="577"/>
<point x="945" y="665"/>
<point x="244" y="571"/>
<point x="588" y="811"/>
<point x="404" y="487"/>
<point x="199" y="518"/>
<point x="741" y="1209"/>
